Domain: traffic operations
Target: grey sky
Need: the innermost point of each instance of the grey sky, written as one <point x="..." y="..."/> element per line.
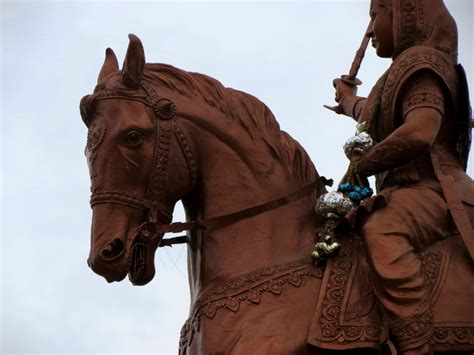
<point x="284" y="53"/>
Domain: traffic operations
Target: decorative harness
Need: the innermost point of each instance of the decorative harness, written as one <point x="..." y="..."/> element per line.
<point x="158" y="220"/>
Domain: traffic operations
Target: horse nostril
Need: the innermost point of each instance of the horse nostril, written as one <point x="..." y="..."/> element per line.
<point x="113" y="250"/>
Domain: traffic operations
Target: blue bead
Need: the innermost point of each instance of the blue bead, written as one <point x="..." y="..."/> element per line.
<point x="345" y="187"/>
<point x="367" y="192"/>
<point x="357" y="189"/>
<point x="355" y="196"/>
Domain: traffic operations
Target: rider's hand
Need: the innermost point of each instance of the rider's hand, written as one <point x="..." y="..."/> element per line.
<point x="343" y="89"/>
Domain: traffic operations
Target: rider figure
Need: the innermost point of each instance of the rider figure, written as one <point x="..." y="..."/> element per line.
<point x="419" y="116"/>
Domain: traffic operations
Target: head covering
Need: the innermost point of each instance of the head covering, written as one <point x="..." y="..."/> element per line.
<point x="423" y="22"/>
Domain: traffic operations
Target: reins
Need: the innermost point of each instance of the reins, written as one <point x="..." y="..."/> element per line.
<point x="224" y="220"/>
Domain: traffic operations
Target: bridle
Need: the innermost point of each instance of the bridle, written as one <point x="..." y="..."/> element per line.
<point x="164" y="110"/>
<point x="158" y="219"/>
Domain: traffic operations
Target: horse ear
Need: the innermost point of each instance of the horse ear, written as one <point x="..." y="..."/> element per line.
<point x="110" y="66"/>
<point x="134" y="63"/>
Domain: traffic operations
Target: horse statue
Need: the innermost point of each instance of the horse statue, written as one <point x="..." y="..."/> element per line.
<point x="157" y="135"/>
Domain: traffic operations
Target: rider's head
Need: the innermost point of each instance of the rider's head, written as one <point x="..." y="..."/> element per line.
<point x="382" y="28"/>
<point x="401" y="24"/>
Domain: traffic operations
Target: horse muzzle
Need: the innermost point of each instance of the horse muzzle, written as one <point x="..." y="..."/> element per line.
<point x="113" y="229"/>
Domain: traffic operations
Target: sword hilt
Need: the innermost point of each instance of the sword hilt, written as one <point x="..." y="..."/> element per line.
<point x="351" y="80"/>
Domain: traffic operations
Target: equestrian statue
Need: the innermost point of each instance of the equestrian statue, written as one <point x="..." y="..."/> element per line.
<point x="277" y="264"/>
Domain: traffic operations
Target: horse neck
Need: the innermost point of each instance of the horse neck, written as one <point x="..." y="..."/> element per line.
<point x="237" y="173"/>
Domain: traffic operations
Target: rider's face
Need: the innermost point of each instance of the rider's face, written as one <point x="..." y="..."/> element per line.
<point x="382" y="30"/>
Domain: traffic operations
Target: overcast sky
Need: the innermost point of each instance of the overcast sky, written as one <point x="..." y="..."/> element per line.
<point x="284" y="53"/>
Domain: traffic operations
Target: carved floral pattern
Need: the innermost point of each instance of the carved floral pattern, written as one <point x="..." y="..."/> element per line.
<point x="248" y="288"/>
<point x="454" y="335"/>
<point x="412" y="29"/>
<point x="339" y="324"/>
<point x="425" y="99"/>
<point x="95" y="137"/>
<point x="332" y="307"/>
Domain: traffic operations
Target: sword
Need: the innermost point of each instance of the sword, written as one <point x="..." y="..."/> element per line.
<point x="351" y="78"/>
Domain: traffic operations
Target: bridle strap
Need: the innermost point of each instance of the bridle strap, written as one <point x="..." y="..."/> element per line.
<point x="157" y="182"/>
<point x="212" y="222"/>
<point x="221" y="221"/>
<point x="165" y="112"/>
<point x="117" y="198"/>
<point x="188" y="154"/>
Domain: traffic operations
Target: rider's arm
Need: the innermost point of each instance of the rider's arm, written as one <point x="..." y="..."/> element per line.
<point x="352" y="106"/>
<point x="422" y="112"/>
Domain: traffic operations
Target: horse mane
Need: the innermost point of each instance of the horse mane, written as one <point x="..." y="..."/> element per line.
<point x="252" y="114"/>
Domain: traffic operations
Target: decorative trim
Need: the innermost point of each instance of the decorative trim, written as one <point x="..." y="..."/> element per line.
<point x="408" y="22"/>
<point x="411" y="61"/>
<point x="339" y="326"/>
<point x="247" y="288"/>
<point x="186" y="148"/>
<point x="412" y="24"/>
<point x="334" y="328"/>
<point x="164" y="109"/>
<point x="423" y="99"/>
<point x="158" y="178"/>
<point x="454" y="336"/>
<point x="95" y="137"/>
<point x="418" y="328"/>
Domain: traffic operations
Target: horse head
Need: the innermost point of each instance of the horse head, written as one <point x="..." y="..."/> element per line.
<point x="132" y="149"/>
<point x="158" y="134"/>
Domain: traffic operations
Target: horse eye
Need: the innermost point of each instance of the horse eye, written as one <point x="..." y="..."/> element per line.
<point x="134" y="138"/>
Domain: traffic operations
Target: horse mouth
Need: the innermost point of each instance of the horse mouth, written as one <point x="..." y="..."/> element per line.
<point x="141" y="269"/>
<point x="137" y="262"/>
